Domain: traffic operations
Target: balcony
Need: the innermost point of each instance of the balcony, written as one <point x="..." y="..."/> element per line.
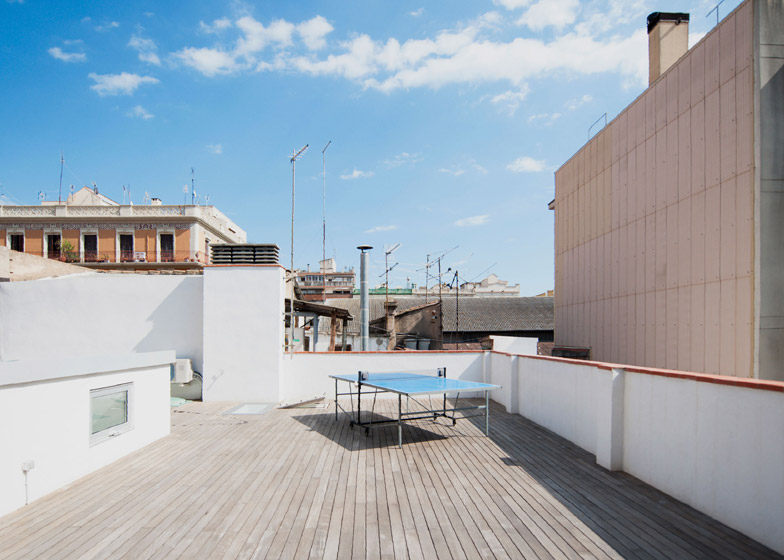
<point x="295" y="483"/>
<point x="100" y="259"/>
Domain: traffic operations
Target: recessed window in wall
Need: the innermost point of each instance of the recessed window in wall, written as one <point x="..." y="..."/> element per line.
<point x="90" y="247"/>
<point x="110" y="412"/>
<point x="167" y="247"/>
<point x="53" y="245"/>
<point x="17" y="242"/>
<point x="126" y="247"/>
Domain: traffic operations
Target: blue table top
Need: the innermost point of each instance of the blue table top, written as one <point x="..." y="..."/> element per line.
<point x="416" y="384"/>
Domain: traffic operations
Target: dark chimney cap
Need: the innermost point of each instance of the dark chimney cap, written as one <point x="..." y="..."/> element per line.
<point x="656" y="17"/>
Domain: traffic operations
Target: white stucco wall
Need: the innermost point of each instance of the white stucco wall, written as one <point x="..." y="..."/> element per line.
<point x="714" y="446"/>
<point x="306" y="375"/>
<point x="243" y="333"/>
<point x="101" y="314"/>
<point x="515" y="344"/>
<point x="45" y="418"/>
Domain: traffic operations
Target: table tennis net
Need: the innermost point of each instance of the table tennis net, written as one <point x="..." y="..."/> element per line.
<point x="400" y="375"/>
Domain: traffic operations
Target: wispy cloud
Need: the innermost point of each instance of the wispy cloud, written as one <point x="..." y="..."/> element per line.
<point x="526" y="164"/>
<point x="118" y="84"/>
<point x="577" y="102"/>
<point x="146" y="49"/>
<point x="512" y="4"/>
<point x="357" y="174"/>
<point x="377" y="229"/>
<point x="510" y="100"/>
<point x="544" y="119"/>
<point x="216" y="26"/>
<point x="417" y="13"/>
<point x="140" y="112"/>
<point x="108" y="26"/>
<point x="462" y="169"/>
<point x="473" y="221"/>
<point x="403" y="158"/>
<point x="550" y="13"/>
<point x="216" y="149"/>
<point x="59" y="54"/>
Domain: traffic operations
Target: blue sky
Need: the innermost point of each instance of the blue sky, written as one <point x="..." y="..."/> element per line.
<point x="447" y="119"/>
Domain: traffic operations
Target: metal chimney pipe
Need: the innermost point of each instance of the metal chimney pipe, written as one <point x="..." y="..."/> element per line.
<point x="364" y="314"/>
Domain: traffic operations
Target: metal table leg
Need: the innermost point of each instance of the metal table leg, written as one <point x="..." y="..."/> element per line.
<point x="336" y="400"/>
<point x="399" y="421"/>
<point x="487" y="413"/>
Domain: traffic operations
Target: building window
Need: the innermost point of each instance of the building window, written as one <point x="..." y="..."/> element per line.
<point x="167" y="247"/>
<point x="126" y="247"/>
<point x="17" y="242"/>
<point x="53" y="245"/>
<point x="110" y="412"/>
<point x="90" y="243"/>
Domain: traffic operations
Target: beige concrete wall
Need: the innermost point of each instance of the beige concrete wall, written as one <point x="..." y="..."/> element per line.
<point x="654" y="219"/>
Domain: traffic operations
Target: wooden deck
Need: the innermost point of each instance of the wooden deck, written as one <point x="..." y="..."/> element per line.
<point x="295" y="484"/>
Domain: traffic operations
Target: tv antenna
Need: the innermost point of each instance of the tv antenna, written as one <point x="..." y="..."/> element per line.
<point x="324" y="204"/>
<point x="60" y="191"/>
<point x="295" y="155"/>
<point x="388" y="252"/>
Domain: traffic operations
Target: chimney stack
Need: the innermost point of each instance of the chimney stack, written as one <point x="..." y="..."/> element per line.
<point x="668" y="40"/>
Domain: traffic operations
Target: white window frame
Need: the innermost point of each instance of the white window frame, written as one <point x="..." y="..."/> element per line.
<point x="84" y="232"/>
<point x="17" y="231"/>
<point x="165" y="231"/>
<point x="117" y="249"/>
<point x="113" y="431"/>
<point x="47" y="233"/>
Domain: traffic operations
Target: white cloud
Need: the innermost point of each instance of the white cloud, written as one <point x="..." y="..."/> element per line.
<point x="550" y="13"/>
<point x="458" y="170"/>
<point x="209" y="62"/>
<point x="473" y="221"/>
<point x="512" y="4"/>
<point x="140" y="112"/>
<point x="108" y="26"/>
<point x="577" y="102"/>
<point x="216" y="26"/>
<point x="216" y="149"/>
<point x="118" y="84"/>
<point x="146" y="49"/>
<point x="314" y="32"/>
<point x="357" y="174"/>
<point x="454" y="171"/>
<point x="417" y="13"/>
<point x="59" y="54"/>
<point x="510" y="100"/>
<point x="526" y="164"/>
<point x="403" y="158"/>
<point x="466" y="54"/>
<point x="377" y="229"/>
<point x="544" y="119"/>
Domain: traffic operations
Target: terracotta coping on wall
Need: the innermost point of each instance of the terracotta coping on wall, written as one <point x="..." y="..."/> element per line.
<point x="763" y="384"/>
<point x="401" y="352"/>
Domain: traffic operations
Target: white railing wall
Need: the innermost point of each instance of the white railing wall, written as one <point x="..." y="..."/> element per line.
<point x="713" y="442"/>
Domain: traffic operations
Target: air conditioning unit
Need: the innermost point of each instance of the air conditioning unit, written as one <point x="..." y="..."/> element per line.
<point x="183" y="371"/>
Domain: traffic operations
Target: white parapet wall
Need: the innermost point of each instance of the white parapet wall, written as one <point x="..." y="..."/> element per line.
<point x="305" y="375"/>
<point x="101" y="314"/>
<point x="45" y="414"/>
<point x="243" y="333"/>
<point x="713" y="442"/>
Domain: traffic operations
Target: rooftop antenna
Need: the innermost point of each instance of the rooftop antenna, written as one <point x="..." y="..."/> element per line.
<point x="388" y="252"/>
<point x="60" y="191"/>
<point x="146" y="197"/>
<point x="295" y="155"/>
<point x="184" y="195"/>
<point x="715" y="9"/>
<point x="193" y="185"/>
<point x="324" y="206"/>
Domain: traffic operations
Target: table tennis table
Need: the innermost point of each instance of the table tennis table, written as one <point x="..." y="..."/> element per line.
<point x="411" y="386"/>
